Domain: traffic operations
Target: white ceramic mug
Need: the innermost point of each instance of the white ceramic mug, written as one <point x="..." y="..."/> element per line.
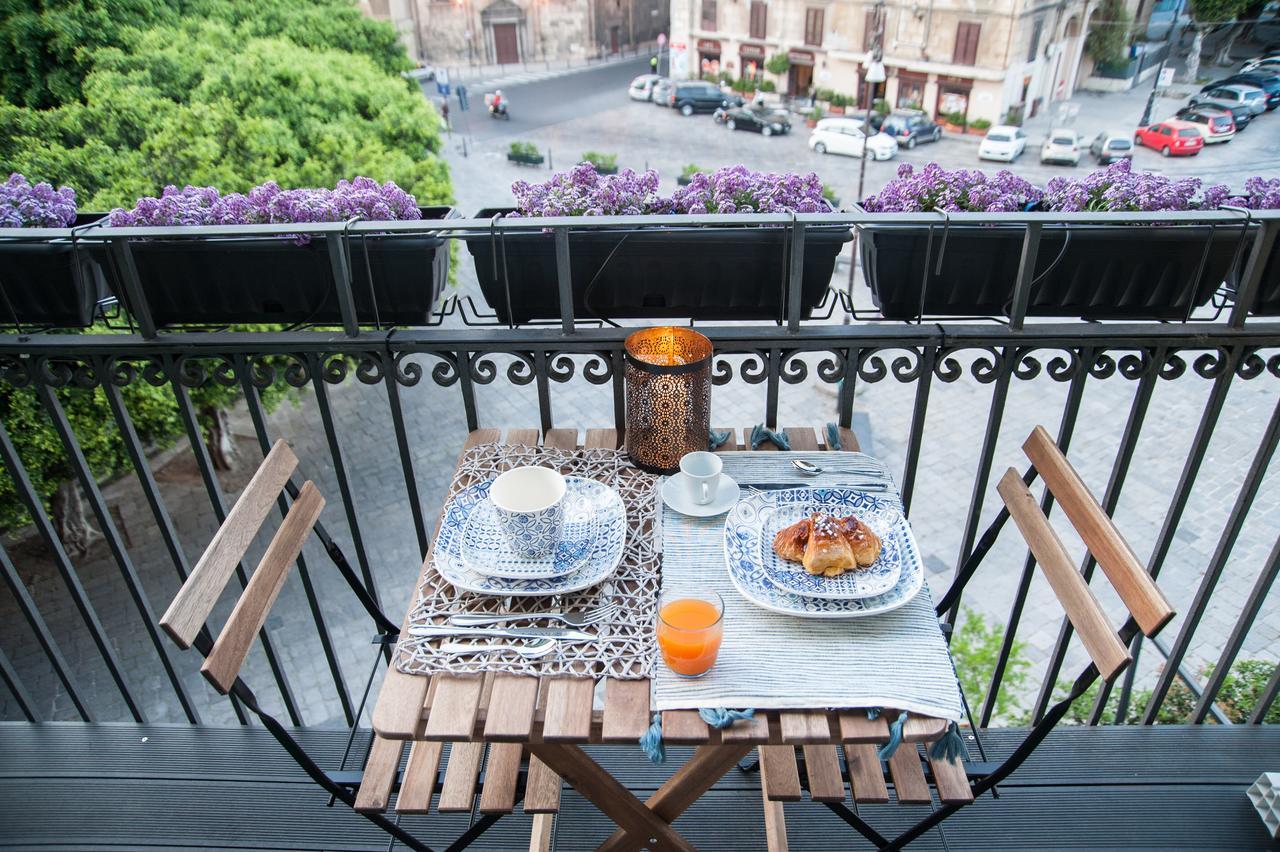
<point x="530" y="508"/>
<point x="702" y="476"/>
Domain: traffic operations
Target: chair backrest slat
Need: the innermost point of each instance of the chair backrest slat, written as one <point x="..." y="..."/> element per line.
<point x="232" y="646"/>
<point x="195" y="600"/>
<point x="1130" y="579"/>
<point x="1096" y="633"/>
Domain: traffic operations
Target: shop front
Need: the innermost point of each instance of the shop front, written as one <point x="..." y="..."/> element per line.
<point x="708" y="58"/>
<point x="911" y="87"/>
<point x="953" y="96"/>
<point x="800" y="74"/>
<point x="752" y="56"/>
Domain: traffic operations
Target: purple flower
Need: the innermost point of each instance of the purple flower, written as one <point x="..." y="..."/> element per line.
<point x="963" y="190"/>
<point x="359" y="198"/>
<point x="1118" y="188"/>
<point x="737" y="189"/>
<point x="1259" y="194"/>
<point x="41" y="206"/>
<point x="582" y="191"/>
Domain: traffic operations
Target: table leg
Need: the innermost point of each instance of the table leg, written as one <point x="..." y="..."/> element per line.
<point x="707" y="766"/>
<point x="605" y="792"/>
<point x="540" y="836"/>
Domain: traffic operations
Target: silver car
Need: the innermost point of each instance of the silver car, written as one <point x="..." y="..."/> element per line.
<point x="1225" y="97"/>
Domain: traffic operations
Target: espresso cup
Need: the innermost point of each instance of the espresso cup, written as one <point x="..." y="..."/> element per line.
<point x="529" y="503"/>
<point x="702" y="476"/>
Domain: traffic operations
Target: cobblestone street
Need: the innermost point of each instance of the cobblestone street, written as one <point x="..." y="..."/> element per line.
<point x="957" y="417"/>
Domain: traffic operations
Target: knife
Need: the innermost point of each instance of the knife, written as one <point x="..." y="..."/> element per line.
<point x="437" y="630"/>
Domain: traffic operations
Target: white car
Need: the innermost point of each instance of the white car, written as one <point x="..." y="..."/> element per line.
<point x="641" y="88"/>
<point x="1003" y="142"/>
<point x="1061" y="146"/>
<point x="845" y="136"/>
<point x="1266" y="63"/>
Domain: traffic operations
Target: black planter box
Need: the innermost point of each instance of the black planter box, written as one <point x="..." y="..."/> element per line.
<point x="697" y="272"/>
<point x="526" y="159"/>
<point x="1267" y="302"/>
<point x="211" y="280"/>
<point x="52" y="280"/>
<point x="1088" y="271"/>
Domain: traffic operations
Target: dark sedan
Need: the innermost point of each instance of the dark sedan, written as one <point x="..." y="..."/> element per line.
<point x="1268" y="81"/>
<point x="766" y="122"/>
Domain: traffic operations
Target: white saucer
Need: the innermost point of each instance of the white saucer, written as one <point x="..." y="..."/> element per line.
<point x="675" y="493"/>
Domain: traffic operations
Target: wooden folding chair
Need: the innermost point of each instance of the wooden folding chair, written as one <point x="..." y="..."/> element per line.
<point x="1148" y="609"/>
<point x="366" y="791"/>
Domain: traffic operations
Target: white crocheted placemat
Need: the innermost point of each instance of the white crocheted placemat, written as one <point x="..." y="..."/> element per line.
<point x="623" y="647"/>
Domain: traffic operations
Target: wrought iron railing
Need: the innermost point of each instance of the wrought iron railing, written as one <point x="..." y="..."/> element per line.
<point x="454" y="363"/>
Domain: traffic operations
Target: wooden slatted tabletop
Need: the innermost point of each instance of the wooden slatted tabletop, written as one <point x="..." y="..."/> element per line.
<point x="546" y="719"/>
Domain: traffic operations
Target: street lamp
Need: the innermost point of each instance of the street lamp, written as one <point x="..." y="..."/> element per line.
<point x="874" y="74"/>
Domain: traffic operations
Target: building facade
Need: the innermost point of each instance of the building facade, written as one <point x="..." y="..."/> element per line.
<point x="486" y="32"/>
<point x="982" y="59"/>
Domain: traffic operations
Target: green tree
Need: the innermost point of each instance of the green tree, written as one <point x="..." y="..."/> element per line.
<point x="777" y="64"/>
<point x="975" y="648"/>
<point x="1206" y="14"/>
<point x="1108" y="38"/>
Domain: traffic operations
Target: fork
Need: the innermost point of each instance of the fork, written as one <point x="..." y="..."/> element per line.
<point x="569" y="619"/>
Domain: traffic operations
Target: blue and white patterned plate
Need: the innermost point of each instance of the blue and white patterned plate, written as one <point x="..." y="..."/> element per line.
<point x="784" y="508"/>
<point x="485" y="548"/>
<point x="743" y="530"/>
<point x="603" y="558"/>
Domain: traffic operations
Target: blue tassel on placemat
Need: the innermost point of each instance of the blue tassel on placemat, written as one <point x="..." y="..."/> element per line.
<point x="895" y="737"/>
<point x="761" y="433"/>
<point x="873" y="713"/>
<point x="950" y="746"/>
<point x="716" y="440"/>
<point x="833" y="436"/>
<point x="719" y="717"/>
<point x="651" y="741"/>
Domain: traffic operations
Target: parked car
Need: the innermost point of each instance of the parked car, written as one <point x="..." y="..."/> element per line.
<point x="1003" y="142"/>
<point x="1061" y="146"/>
<point x="696" y="96"/>
<point x="845" y="136"/>
<point x="909" y="127"/>
<point x="1108" y="147"/>
<point x="1172" y="138"/>
<point x="766" y="122"/>
<point x="1215" y="125"/>
<point x="1267" y="79"/>
<point x="641" y="88"/>
<point x="1219" y="95"/>
<point x="662" y="91"/>
<point x="1266" y="63"/>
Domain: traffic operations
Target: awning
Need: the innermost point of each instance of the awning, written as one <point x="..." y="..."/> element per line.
<point x="751" y="51"/>
<point x="706" y="45"/>
<point x="800" y="57"/>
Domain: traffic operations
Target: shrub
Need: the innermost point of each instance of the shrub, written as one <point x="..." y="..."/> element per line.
<point x="975" y="648"/>
<point x="777" y="64"/>
<point x="523" y="149"/>
<point x="768" y="86"/>
<point x="881" y="106"/>
<point x="815" y="114"/>
<point x="603" y="162"/>
<point x="690" y="170"/>
<point x="957" y="118"/>
<point x="830" y="195"/>
<point x="982" y="124"/>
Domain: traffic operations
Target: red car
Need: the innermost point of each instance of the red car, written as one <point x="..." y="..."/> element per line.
<point x="1171" y="138"/>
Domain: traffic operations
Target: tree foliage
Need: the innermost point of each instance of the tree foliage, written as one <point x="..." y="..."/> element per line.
<point x="1108" y="38"/>
<point x="118" y="98"/>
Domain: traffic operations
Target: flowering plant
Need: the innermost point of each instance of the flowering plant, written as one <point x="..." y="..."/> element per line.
<point x="362" y="198"/>
<point x="1259" y="194"/>
<point x="41" y="206"/>
<point x="961" y="190"/>
<point x="582" y="191"/>
<point x="737" y="189"/>
<point x="1118" y="188"/>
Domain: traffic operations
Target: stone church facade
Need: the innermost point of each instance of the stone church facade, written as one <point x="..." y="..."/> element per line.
<point x="486" y="32"/>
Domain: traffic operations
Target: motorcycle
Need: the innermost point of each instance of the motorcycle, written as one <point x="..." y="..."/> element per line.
<point x="499" y="110"/>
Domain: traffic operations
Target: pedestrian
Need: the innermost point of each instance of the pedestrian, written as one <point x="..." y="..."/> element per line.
<point x="444" y="112"/>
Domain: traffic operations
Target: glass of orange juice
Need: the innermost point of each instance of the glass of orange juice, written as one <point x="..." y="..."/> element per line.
<point x="690" y="626"/>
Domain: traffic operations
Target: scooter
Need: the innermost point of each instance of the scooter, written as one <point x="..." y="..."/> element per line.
<point x="499" y="110"/>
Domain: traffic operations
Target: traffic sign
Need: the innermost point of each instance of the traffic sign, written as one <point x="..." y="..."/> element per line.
<point x="662" y="39"/>
<point x="1166" y="78"/>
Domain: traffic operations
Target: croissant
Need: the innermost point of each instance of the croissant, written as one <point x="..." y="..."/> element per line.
<point x="828" y="545"/>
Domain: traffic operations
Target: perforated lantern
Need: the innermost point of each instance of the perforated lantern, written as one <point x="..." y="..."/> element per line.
<point x="668" y="396"/>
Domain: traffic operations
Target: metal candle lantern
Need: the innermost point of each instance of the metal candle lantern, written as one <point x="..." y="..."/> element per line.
<point x="668" y="396"/>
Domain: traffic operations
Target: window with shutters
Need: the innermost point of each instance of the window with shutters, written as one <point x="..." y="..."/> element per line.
<point x="813" y="26"/>
<point x="759" y="19"/>
<point x="708" y="14"/>
<point x="869" y="31"/>
<point x="1037" y="30"/>
<point x="966" y="52"/>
